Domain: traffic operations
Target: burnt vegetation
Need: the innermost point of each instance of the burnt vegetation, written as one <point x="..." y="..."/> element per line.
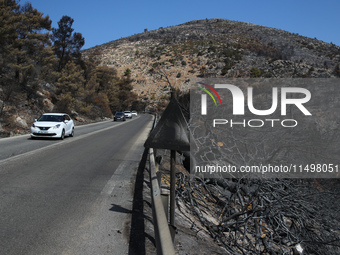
<point x="265" y="216"/>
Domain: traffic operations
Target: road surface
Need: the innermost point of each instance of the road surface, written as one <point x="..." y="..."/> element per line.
<point x="72" y="196"/>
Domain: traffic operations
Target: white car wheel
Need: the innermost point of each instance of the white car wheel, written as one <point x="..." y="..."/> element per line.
<point x="62" y="136"/>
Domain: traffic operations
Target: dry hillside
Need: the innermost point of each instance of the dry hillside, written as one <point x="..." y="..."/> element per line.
<point x="214" y="48"/>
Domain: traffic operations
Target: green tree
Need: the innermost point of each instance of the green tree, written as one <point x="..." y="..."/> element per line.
<point x="34" y="54"/>
<point x="105" y="77"/>
<point x="9" y="23"/>
<point x="124" y="94"/>
<point x="100" y="92"/>
<point x="70" y="88"/>
<point x="104" y="92"/>
<point x="91" y="63"/>
<point x="71" y="81"/>
<point x="24" y="47"/>
<point x="67" y="44"/>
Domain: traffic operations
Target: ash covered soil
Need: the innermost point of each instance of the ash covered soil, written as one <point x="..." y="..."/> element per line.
<point x="235" y="216"/>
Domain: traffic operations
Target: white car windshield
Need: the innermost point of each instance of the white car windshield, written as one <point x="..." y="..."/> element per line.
<point x="52" y="118"/>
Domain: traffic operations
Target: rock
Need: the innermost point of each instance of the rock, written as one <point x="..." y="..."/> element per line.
<point x="74" y="114"/>
<point x="39" y="93"/>
<point x="21" y="122"/>
<point x="48" y="104"/>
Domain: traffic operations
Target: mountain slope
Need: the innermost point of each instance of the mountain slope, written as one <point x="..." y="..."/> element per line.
<point x="214" y="48"/>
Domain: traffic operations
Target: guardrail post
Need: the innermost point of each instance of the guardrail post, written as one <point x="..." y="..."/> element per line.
<point x="172" y="187"/>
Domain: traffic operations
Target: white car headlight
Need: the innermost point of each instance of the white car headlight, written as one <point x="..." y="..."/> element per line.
<point x="57" y="126"/>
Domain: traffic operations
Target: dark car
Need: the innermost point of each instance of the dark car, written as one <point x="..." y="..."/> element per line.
<point x="119" y="116"/>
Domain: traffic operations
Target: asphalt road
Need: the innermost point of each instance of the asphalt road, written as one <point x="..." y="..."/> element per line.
<point x="72" y="196"/>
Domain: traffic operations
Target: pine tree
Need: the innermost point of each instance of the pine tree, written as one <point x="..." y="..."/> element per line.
<point x="70" y="87"/>
<point x="71" y="80"/>
<point x="9" y="23"/>
<point x="25" y="47"/>
<point x="67" y="44"/>
<point x="33" y="46"/>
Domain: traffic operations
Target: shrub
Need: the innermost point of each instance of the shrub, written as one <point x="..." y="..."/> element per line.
<point x="256" y="72"/>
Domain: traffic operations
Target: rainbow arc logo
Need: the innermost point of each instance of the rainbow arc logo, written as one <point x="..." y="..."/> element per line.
<point x="204" y="96"/>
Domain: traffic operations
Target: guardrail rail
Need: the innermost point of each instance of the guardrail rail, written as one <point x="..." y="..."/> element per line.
<point x="164" y="243"/>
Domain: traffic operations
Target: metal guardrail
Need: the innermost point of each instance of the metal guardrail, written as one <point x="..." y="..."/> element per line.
<point x="169" y="134"/>
<point x="164" y="243"/>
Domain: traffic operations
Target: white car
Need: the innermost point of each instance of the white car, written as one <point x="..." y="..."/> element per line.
<point x="128" y="114"/>
<point x="134" y="113"/>
<point x="54" y="125"/>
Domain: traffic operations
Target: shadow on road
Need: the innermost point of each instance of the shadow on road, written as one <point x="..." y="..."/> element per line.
<point x="118" y="208"/>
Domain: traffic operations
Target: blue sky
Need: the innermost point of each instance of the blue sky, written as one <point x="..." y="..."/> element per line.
<point x="103" y="21"/>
